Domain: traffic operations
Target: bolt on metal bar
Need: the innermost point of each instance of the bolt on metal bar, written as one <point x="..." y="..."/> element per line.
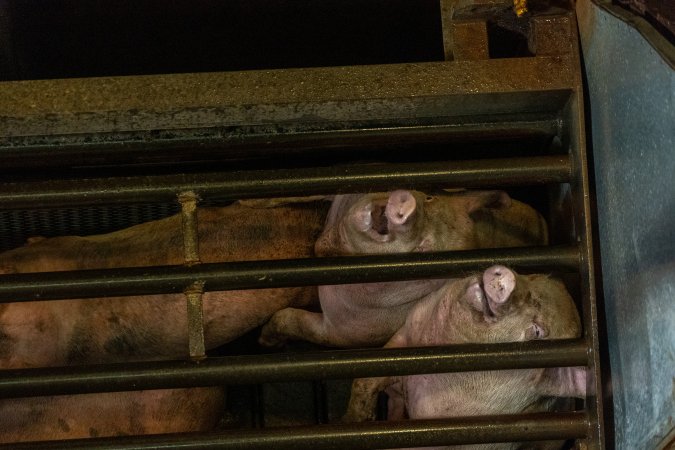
<point x="279" y="273"/>
<point x="354" y="436"/>
<point x="289" y="182"/>
<point x="279" y="367"/>
<point x="193" y="294"/>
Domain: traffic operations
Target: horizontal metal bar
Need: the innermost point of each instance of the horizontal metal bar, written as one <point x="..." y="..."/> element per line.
<point x="288" y="182"/>
<point x="287" y="366"/>
<point x="224" y="99"/>
<point x="353" y="436"/>
<point x="265" y="140"/>
<point x="279" y="273"/>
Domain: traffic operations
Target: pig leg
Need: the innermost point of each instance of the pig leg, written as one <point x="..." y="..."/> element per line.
<point x="396" y="402"/>
<point x="292" y="323"/>
<point x="363" y="399"/>
<point x="563" y="382"/>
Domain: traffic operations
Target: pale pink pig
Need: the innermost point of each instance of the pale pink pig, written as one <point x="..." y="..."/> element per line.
<point x="399" y="222"/>
<point x="495" y="306"/>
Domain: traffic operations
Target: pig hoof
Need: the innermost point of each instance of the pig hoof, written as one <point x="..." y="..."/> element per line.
<point x="270" y="338"/>
<point x="357" y="416"/>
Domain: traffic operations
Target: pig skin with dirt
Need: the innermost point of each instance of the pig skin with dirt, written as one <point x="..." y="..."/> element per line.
<point x="495" y="306"/>
<point x="151" y="327"/>
<point x="355" y="315"/>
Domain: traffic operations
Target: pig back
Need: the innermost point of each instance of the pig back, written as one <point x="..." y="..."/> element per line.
<point x="517" y="225"/>
<point x="126" y="328"/>
<point x="230" y="233"/>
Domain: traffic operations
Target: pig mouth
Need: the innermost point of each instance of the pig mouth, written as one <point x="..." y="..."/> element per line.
<point x="485" y="303"/>
<point x="380" y="223"/>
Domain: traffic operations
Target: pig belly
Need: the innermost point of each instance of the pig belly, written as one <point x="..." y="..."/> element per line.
<point x="369" y="314"/>
<point x="110" y="414"/>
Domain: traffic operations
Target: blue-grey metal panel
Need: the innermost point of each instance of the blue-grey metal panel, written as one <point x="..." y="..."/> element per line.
<point x="632" y="101"/>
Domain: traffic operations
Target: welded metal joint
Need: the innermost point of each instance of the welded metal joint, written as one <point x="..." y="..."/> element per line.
<point x="195" y="316"/>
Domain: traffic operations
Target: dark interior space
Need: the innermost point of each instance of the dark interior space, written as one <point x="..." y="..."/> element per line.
<point x="71" y="38"/>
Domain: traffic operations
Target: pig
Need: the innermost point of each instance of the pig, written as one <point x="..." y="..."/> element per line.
<point x="154" y="327"/>
<point x="495" y="306"/>
<point x="110" y="414"/>
<point x="65" y="332"/>
<point x="356" y="315"/>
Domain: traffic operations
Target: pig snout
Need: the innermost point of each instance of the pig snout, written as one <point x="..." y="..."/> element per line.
<point x="498" y="283"/>
<point x="400" y="210"/>
<point x="382" y="221"/>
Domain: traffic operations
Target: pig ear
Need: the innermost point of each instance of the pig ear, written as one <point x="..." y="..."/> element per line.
<point x="479" y="200"/>
<point x="564" y="382"/>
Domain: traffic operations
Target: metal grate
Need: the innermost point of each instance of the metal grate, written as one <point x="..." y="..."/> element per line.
<point x="337" y="106"/>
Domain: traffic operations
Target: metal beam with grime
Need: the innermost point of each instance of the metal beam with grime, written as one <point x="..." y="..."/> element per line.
<point x="289" y="182"/>
<point x="279" y="273"/>
<point x="279" y="367"/>
<point x="354" y="436"/>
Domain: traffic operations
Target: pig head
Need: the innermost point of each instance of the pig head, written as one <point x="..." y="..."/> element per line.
<point x="398" y="222"/>
<point x="496" y="306"/>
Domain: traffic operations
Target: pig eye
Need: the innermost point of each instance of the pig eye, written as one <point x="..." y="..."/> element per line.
<point x="536" y="331"/>
<point x="430" y="198"/>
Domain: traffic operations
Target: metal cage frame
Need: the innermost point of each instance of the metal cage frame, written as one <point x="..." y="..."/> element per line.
<point x="85" y="121"/>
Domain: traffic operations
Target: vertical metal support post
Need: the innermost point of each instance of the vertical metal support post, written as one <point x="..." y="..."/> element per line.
<point x="188" y="202"/>
<point x="470" y="38"/>
<point x="582" y="218"/>
<point x="447" y="10"/>
<point x="193" y="293"/>
<point x="195" y="320"/>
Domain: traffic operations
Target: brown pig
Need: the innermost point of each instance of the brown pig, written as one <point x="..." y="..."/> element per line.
<point x="401" y="221"/>
<point x="151" y="327"/>
<point x="110" y="414"/>
<point x="495" y="306"/>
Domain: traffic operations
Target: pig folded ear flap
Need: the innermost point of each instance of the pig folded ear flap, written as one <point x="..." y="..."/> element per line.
<point x="481" y="200"/>
<point x="564" y="382"/>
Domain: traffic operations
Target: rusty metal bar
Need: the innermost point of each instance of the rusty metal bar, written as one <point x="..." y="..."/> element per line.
<point x="279" y="367"/>
<point x="188" y="202"/>
<point x="253" y="141"/>
<point x="354" y="436"/>
<point x="279" y="273"/>
<point x="195" y="315"/>
<point x="289" y="182"/>
<point x="193" y="293"/>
